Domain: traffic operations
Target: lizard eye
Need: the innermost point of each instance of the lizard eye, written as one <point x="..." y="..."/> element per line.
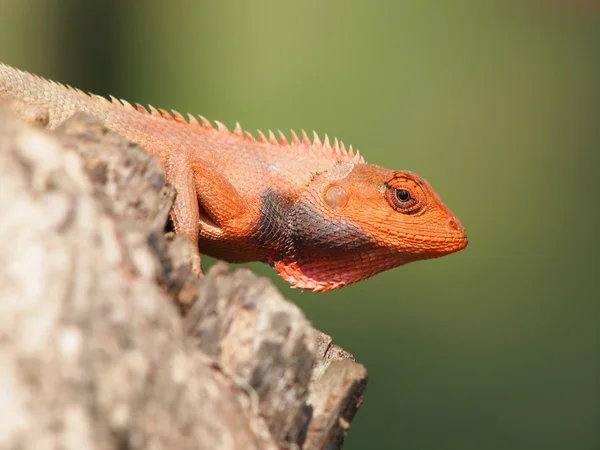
<point x="405" y="195"/>
<point x="402" y="195"/>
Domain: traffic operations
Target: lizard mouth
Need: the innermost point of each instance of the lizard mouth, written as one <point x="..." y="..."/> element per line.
<point x="458" y="244"/>
<point x="442" y="245"/>
<point x="425" y="243"/>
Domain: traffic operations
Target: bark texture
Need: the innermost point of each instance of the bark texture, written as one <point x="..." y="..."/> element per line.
<point x="108" y="341"/>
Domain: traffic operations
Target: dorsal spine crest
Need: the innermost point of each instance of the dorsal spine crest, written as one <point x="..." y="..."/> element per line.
<point x="316" y="147"/>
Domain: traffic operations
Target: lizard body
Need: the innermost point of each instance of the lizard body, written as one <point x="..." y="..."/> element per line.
<point x="315" y="211"/>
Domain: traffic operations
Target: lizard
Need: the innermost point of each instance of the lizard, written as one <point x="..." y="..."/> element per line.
<point x="313" y="209"/>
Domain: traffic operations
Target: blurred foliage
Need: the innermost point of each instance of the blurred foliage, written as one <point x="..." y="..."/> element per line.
<point x="496" y="103"/>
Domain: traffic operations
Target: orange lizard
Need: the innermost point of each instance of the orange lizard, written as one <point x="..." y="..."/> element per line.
<point x="314" y="210"/>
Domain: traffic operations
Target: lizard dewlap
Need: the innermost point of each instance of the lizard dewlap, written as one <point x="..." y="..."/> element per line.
<point x="315" y="211"/>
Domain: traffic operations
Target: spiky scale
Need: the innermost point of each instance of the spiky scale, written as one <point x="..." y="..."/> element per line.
<point x="261" y="137"/>
<point x="305" y="139"/>
<point x="295" y="139"/>
<point x="127" y="105"/>
<point x="238" y="130"/>
<point x="141" y="108"/>
<point x="194" y="122"/>
<point x="316" y="140"/>
<point x="205" y="123"/>
<point x="178" y="117"/>
<point x="100" y="99"/>
<point x="221" y="128"/>
<point x="350" y="152"/>
<point x="326" y="144"/>
<point x="272" y="138"/>
<point x="165" y="114"/>
<point x="282" y="139"/>
<point x="154" y="112"/>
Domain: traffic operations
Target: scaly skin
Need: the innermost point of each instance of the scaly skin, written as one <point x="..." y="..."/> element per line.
<point x="316" y="212"/>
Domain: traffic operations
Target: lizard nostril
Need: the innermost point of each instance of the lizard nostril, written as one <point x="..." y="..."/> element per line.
<point x="453" y="224"/>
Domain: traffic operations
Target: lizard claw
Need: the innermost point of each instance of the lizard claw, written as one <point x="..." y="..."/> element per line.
<point x="197" y="265"/>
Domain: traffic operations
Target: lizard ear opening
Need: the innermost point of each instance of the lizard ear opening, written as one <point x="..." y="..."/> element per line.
<point x="335" y="196"/>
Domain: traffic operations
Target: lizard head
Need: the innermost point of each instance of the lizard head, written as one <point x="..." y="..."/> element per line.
<point x="360" y="219"/>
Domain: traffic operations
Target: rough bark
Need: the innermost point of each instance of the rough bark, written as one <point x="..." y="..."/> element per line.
<point x="108" y="341"/>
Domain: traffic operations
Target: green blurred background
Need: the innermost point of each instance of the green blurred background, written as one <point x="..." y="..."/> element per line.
<point x="496" y="103"/>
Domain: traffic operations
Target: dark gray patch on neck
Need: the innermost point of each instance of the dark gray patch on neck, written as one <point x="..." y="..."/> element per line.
<point x="272" y="230"/>
<point x="293" y="228"/>
<point x="312" y="230"/>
